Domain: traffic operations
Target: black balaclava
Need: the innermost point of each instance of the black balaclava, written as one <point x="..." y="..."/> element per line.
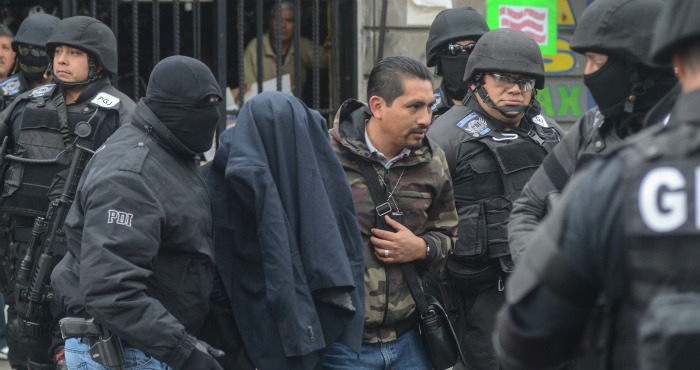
<point x="612" y="86"/>
<point x="184" y="95"/>
<point x="33" y="67"/>
<point x="452" y="71"/>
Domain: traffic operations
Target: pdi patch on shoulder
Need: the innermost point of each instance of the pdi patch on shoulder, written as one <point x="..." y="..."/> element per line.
<point x="119" y="217"/>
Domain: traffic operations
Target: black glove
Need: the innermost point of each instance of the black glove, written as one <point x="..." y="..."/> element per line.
<point x="203" y="358"/>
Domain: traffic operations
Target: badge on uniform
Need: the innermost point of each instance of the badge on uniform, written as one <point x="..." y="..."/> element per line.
<point x="539" y="120"/>
<point x="10" y="86"/>
<point x="43" y="90"/>
<point x="438" y="100"/>
<point x="474" y="125"/>
<point x="105" y="100"/>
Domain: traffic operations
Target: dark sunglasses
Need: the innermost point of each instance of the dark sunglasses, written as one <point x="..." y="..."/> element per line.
<point x="454" y="49"/>
<point x="37" y="52"/>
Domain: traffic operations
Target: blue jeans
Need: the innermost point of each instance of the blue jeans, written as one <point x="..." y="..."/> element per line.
<point x="405" y="353"/>
<point x="78" y="358"/>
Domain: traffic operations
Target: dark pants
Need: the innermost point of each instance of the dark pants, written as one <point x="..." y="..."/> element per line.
<point x="475" y="328"/>
<point x="473" y="315"/>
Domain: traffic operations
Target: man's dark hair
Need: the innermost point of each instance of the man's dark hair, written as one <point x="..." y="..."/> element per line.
<point x="387" y="77"/>
<point x="5" y="31"/>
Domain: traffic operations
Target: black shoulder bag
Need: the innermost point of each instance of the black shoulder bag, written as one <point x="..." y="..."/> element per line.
<point x="437" y="334"/>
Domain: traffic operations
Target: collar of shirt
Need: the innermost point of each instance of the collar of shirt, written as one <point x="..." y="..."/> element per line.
<point x="387" y="163"/>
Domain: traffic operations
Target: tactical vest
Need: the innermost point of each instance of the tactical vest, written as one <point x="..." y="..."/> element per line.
<point x="518" y="157"/>
<point x="28" y="188"/>
<point x="661" y="228"/>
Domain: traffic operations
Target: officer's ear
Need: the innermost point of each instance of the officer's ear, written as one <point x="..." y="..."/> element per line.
<point x="376" y="106"/>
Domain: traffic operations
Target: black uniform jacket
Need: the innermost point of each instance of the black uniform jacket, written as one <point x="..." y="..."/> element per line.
<point x="547" y="312"/>
<point x="288" y="245"/>
<point x="140" y="251"/>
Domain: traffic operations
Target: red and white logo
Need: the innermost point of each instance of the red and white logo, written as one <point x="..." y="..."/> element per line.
<point x="531" y="20"/>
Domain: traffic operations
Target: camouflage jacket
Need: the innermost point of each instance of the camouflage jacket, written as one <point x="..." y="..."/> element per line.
<point x="423" y="193"/>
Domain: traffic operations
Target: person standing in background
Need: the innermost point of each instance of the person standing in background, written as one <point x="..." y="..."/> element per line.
<point x="7" y="55"/>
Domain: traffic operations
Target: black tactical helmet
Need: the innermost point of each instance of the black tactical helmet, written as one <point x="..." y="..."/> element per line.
<point x="35" y="30"/>
<point x="677" y="25"/>
<point x="452" y="25"/>
<point x="88" y="34"/>
<point x="618" y="26"/>
<point x="506" y="50"/>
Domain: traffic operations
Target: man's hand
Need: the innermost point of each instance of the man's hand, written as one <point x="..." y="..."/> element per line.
<point x="397" y="247"/>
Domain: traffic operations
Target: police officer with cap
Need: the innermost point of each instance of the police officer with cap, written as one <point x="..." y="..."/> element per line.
<point x="493" y="143"/>
<point x="626" y="228"/>
<point x="614" y="36"/>
<point x="31" y="64"/>
<point x="451" y="39"/>
<point x="140" y="258"/>
<point x="41" y="128"/>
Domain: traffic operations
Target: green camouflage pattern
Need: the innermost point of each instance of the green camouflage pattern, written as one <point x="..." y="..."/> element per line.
<point x="425" y="196"/>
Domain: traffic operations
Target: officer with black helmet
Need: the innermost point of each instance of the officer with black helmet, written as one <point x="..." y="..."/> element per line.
<point x="614" y="36"/>
<point x="451" y="39"/>
<point x="493" y="143"/>
<point x="31" y="64"/>
<point x="627" y="228"/>
<point x="40" y="129"/>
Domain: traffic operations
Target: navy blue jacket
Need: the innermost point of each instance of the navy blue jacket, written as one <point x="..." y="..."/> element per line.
<point x="288" y="245"/>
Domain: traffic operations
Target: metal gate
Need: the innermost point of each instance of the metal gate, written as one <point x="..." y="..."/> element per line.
<point x="217" y="31"/>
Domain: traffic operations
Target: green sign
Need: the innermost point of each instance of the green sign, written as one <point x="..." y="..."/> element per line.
<point x="538" y="18"/>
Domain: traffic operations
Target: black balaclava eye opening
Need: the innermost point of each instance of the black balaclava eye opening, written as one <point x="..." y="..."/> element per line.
<point x="177" y="93"/>
<point x="451" y="68"/>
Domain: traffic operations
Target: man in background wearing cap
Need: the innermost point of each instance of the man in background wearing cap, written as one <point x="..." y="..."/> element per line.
<point x="493" y="143"/>
<point x="32" y="64"/>
<point x="451" y="39"/>
<point x="626" y="228"/>
<point x="42" y="126"/>
<point x="140" y="258"/>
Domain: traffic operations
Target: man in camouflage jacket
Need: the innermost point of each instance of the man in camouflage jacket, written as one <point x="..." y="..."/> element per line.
<point x="389" y="134"/>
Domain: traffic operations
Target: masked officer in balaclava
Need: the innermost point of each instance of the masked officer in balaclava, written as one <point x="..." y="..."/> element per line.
<point x="451" y="39"/>
<point x="625" y="228"/>
<point x="614" y="36"/>
<point x="140" y="255"/>
<point x="32" y="64"/>
<point x="42" y="126"/>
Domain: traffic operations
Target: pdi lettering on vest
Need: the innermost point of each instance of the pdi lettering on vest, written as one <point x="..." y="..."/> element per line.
<point x="119" y="217"/>
<point x="663" y="199"/>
